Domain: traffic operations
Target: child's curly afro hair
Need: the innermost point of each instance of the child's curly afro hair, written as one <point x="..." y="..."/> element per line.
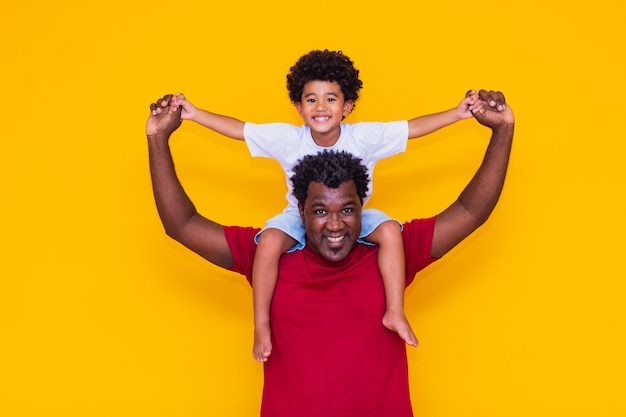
<point x="324" y="66"/>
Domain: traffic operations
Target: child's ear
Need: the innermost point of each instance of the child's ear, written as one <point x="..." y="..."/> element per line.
<point x="298" y="106"/>
<point x="347" y="107"/>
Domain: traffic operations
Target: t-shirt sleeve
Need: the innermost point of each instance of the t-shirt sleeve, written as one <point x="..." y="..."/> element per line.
<point x="418" y="240"/>
<point x="241" y="243"/>
<point x="269" y="140"/>
<point x="382" y="140"/>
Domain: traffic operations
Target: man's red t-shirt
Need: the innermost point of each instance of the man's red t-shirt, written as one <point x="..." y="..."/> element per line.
<point x="331" y="355"/>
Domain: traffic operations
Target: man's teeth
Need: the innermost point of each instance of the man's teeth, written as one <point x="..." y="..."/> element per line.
<point x="335" y="239"/>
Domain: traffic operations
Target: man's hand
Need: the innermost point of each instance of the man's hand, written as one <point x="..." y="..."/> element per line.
<point x="496" y="113"/>
<point x="164" y="118"/>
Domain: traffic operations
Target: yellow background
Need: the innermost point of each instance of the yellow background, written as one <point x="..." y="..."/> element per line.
<point x="102" y="315"/>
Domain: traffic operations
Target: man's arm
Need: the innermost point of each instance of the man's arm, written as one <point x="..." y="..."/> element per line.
<point x="424" y="125"/>
<point x="178" y="214"/>
<point x="224" y="125"/>
<point x="480" y="196"/>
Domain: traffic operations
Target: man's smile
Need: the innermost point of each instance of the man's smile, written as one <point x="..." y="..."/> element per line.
<point x="335" y="239"/>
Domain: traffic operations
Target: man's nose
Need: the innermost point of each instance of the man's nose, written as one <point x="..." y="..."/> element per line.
<point x="334" y="222"/>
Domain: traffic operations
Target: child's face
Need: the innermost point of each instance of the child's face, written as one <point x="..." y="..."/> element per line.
<point x="322" y="108"/>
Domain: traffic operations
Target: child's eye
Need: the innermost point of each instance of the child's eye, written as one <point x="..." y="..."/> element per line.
<point x="331" y="99"/>
<point x="310" y="100"/>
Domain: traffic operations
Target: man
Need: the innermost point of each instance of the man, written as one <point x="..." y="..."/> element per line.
<point x="332" y="356"/>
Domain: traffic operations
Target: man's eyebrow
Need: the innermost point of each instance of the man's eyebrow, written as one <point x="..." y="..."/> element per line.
<point x="345" y="203"/>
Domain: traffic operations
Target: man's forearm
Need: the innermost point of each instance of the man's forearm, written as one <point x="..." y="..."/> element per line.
<point x="178" y="214"/>
<point x="480" y="196"/>
<point x="174" y="206"/>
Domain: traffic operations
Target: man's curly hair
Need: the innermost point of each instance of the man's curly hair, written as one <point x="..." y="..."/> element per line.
<point x="331" y="168"/>
<point x="324" y="66"/>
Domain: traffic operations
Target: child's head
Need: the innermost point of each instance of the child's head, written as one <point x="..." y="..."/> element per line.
<point x="324" y="66"/>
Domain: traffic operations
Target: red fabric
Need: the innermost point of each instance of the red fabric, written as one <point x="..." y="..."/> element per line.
<point x="331" y="355"/>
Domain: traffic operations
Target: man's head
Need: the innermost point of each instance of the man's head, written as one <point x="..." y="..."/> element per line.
<point x="324" y="66"/>
<point x="330" y="188"/>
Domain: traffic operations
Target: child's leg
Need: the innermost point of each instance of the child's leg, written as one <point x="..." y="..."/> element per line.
<point x="272" y="244"/>
<point x="391" y="264"/>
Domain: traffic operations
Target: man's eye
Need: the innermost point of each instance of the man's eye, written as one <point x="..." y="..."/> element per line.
<point x="348" y="210"/>
<point x="320" y="212"/>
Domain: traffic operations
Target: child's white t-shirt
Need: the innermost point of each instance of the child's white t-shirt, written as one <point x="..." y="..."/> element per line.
<point x="287" y="144"/>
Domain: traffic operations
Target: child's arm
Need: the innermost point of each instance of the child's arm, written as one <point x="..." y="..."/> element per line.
<point x="224" y="125"/>
<point x="423" y="125"/>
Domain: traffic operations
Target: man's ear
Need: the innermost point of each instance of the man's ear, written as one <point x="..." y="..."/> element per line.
<point x="347" y="107"/>
<point x="301" y="211"/>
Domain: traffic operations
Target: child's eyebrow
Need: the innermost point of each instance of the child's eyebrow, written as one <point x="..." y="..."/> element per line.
<point x="330" y="93"/>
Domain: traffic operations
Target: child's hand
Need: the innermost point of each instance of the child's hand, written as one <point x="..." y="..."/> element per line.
<point x="189" y="110"/>
<point x="471" y="104"/>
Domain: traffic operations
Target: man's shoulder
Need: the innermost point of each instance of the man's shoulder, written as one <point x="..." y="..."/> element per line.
<point x="241" y="243"/>
<point x="241" y="236"/>
<point x="417" y="237"/>
<point x="419" y="226"/>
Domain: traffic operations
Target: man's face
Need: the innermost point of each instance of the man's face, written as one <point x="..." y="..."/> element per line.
<point x="332" y="219"/>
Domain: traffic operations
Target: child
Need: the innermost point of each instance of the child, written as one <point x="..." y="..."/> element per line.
<point x="324" y="87"/>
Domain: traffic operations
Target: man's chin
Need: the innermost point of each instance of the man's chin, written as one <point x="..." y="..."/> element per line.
<point x="335" y="254"/>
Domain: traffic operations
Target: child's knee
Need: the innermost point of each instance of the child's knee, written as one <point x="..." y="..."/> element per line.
<point x="277" y="239"/>
<point x="390" y="226"/>
<point x="387" y="229"/>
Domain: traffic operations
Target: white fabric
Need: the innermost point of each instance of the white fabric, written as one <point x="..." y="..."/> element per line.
<point x="287" y="144"/>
